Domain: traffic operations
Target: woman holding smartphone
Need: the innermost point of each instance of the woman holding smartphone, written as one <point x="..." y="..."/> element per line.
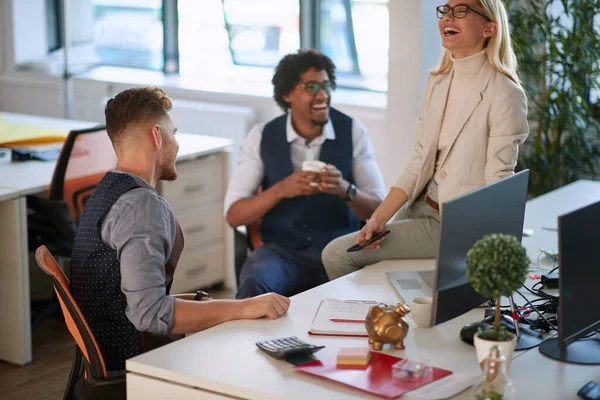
<point x="473" y="119"/>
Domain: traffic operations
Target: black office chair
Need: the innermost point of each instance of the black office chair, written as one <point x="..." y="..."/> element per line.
<point x="86" y="156"/>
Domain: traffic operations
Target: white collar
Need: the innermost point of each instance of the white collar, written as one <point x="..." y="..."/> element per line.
<point x="328" y="132"/>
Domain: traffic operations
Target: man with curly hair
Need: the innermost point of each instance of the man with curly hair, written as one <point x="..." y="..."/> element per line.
<point x="301" y="211"/>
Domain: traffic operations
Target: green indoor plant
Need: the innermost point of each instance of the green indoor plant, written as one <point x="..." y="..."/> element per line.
<point x="557" y="44"/>
<point x="497" y="265"/>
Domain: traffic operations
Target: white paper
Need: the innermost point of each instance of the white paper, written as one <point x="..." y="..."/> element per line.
<point x="341" y="309"/>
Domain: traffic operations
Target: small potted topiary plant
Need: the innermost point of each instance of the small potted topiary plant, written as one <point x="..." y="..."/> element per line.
<point x="497" y="265"/>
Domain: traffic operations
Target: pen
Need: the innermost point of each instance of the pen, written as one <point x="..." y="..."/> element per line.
<point x="347" y="320"/>
<point x="361" y="301"/>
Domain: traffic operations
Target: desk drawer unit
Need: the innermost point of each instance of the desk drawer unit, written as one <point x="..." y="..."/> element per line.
<point x="202" y="225"/>
<point x="199" y="182"/>
<point x="197" y="200"/>
<point x="198" y="267"/>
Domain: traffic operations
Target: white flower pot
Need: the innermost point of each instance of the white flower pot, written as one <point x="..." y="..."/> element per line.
<point x="483" y="347"/>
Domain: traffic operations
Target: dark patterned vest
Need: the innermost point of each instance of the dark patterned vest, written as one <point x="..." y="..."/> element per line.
<point x="96" y="278"/>
<point x="307" y="220"/>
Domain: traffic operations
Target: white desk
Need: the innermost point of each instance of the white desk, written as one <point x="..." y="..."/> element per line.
<point x="223" y="361"/>
<point x="19" y="179"/>
<point x="8" y="194"/>
<point x="35" y="176"/>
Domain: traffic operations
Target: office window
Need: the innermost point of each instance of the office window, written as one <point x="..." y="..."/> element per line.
<point x="129" y="33"/>
<point x="202" y="37"/>
<point x="239" y="39"/>
<point x="217" y="34"/>
<point x="53" y="31"/>
<point x="355" y="34"/>
<point x="262" y="31"/>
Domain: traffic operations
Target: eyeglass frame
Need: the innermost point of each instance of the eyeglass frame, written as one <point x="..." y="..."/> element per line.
<point x="469" y="8"/>
<point x="321" y="87"/>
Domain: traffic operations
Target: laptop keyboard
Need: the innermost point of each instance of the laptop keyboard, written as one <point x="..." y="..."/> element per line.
<point x="428" y="277"/>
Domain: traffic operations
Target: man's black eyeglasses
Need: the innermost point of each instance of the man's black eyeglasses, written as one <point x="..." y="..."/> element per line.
<point x="458" y="11"/>
<point x="313" y="87"/>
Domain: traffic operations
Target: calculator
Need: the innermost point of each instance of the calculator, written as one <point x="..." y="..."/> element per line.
<point x="283" y="347"/>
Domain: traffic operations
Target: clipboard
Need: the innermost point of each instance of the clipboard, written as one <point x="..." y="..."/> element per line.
<point x="341" y="318"/>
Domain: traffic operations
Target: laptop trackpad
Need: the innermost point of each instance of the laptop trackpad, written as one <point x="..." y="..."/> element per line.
<point x="409" y="284"/>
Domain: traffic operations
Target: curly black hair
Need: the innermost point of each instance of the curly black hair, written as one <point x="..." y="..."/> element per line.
<point x="289" y="69"/>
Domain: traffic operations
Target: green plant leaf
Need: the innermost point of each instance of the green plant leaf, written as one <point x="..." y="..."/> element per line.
<point x="559" y="63"/>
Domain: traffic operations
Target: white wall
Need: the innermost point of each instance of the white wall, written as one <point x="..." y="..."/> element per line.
<point x="414" y="49"/>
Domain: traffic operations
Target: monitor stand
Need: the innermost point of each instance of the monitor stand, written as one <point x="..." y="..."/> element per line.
<point x="583" y="351"/>
<point x="527" y="339"/>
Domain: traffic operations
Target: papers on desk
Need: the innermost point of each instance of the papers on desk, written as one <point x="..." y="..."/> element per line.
<point x="341" y="318"/>
<point x="15" y="135"/>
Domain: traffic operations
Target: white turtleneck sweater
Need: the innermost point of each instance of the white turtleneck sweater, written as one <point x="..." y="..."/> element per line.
<point x="465" y="71"/>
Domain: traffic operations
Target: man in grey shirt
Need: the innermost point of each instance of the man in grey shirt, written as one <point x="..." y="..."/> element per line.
<point x="128" y="242"/>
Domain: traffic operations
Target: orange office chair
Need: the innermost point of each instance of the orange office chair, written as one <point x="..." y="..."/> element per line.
<point x="93" y="382"/>
<point x="85" y="157"/>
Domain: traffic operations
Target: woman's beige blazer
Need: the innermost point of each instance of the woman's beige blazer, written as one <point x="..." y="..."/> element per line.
<point x="485" y="141"/>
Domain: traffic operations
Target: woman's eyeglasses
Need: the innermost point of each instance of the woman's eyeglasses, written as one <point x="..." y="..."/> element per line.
<point x="313" y="87"/>
<point x="458" y="11"/>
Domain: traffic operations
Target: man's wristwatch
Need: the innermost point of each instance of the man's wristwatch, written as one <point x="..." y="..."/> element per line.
<point x="200" y="294"/>
<point x="351" y="193"/>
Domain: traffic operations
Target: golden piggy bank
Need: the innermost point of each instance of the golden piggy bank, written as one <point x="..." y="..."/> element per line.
<point x="387" y="325"/>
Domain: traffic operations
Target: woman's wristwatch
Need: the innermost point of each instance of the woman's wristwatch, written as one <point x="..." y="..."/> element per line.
<point x="200" y="294"/>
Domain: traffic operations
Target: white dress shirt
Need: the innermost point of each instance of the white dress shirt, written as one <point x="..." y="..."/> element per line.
<point x="249" y="173"/>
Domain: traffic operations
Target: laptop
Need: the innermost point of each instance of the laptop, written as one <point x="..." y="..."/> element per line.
<point x="495" y="208"/>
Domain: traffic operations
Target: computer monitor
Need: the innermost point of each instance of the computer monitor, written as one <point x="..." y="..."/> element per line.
<point x="579" y="296"/>
<point x="495" y="208"/>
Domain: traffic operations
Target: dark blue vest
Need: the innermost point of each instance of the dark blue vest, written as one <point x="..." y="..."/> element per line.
<point x="96" y="277"/>
<point x="307" y="220"/>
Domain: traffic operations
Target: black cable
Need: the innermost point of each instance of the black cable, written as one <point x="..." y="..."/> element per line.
<point x="539" y="292"/>
<point x="552" y="270"/>
<point x="539" y="313"/>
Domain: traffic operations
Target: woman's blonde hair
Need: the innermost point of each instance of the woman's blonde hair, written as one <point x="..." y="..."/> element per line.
<point x="499" y="51"/>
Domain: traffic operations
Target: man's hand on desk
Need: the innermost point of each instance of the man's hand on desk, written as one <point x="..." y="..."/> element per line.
<point x="270" y="305"/>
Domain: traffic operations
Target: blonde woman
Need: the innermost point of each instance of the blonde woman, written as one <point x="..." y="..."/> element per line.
<point x="473" y="119"/>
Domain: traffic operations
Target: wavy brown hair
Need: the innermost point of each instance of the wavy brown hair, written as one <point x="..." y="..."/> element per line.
<point x="133" y="107"/>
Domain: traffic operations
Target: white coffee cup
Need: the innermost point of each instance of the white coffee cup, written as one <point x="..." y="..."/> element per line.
<point x="313" y="166"/>
<point x="420" y="310"/>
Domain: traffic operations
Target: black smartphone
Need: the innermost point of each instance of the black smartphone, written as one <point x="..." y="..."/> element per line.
<point x="366" y="243"/>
